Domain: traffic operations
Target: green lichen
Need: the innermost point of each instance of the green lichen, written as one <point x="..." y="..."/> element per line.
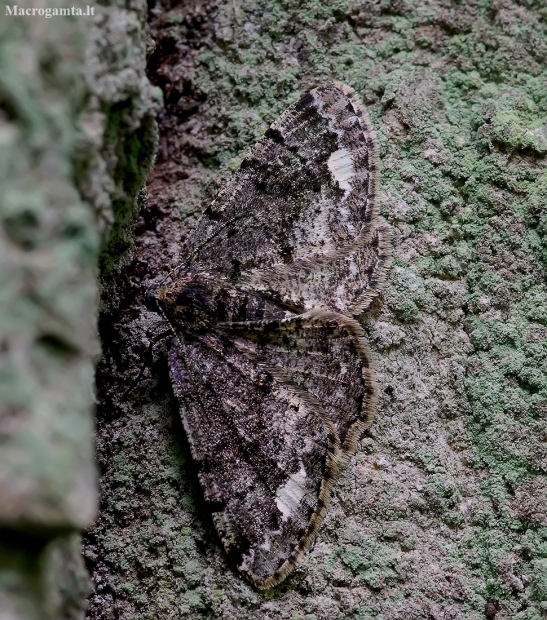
<point x="457" y="95"/>
<point x="473" y="200"/>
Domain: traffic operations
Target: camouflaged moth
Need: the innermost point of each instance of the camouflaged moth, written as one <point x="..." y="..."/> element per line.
<point x="271" y="370"/>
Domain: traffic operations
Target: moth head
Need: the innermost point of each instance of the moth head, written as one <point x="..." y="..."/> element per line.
<point x="158" y="299"/>
<point x="151" y="296"/>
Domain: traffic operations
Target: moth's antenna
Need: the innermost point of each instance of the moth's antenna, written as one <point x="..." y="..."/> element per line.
<point x="219" y="229"/>
<point x="169" y="274"/>
<point x="203" y="244"/>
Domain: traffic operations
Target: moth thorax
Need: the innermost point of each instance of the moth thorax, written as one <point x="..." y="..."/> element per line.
<point x="189" y="299"/>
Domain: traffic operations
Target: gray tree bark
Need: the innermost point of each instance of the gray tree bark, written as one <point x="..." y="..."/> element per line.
<point x="442" y="512"/>
<point x="77" y="137"/>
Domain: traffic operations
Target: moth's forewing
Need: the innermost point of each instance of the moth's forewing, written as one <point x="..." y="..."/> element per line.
<point x="304" y="194"/>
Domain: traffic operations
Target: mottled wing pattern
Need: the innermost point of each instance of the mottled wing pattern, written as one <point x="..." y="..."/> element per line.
<point x="273" y="407"/>
<point x="302" y="202"/>
<point x="322" y="354"/>
<point x="270" y="409"/>
<point x="260" y="451"/>
<point x="325" y="281"/>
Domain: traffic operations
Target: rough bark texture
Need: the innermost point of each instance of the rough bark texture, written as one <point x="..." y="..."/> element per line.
<point x="442" y="512"/>
<point x="77" y="136"/>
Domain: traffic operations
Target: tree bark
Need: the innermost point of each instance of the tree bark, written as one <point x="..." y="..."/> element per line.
<point x="442" y="512"/>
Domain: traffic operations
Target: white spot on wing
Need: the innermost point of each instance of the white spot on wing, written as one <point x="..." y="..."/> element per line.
<point x="341" y="166"/>
<point x="291" y="493"/>
<point x="266" y="545"/>
<point x="247" y="561"/>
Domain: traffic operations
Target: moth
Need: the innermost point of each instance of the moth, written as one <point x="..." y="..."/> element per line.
<point x="271" y="370"/>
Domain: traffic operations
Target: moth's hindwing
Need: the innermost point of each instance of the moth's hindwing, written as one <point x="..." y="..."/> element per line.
<point x="273" y="407"/>
<point x="271" y="410"/>
<point x="323" y="355"/>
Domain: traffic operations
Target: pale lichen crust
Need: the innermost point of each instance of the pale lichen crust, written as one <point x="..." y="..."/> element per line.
<point x="271" y="370"/>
